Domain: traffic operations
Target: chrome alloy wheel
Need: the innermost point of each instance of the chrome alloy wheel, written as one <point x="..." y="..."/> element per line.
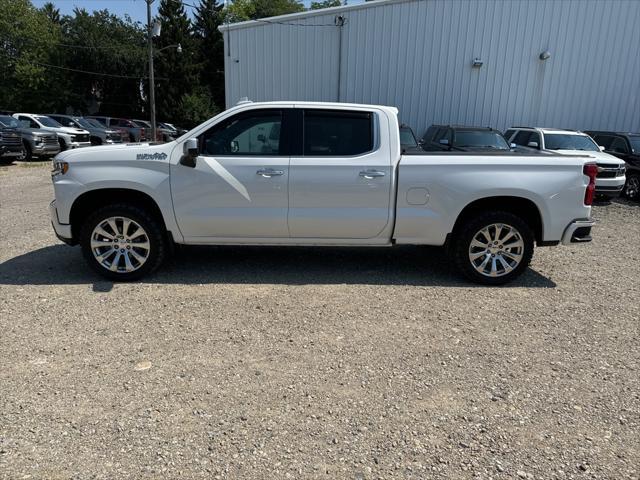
<point x="120" y="244"/>
<point x="496" y="250"/>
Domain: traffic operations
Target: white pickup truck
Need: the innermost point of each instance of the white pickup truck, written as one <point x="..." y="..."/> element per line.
<point x="302" y="173"/>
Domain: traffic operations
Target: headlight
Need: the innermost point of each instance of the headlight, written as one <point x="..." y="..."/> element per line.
<point x="59" y="167"/>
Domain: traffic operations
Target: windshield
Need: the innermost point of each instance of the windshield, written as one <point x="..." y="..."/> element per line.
<point x="481" y="139"/>
<point x="635" y="143"/>
<point x="8" y="121"/>
<point x="82" y="122"/>
<point x="48" y="122"/>
<point x="95" y="123"/>
<point x="558" y="141"/>
<point x="407" y="138"/>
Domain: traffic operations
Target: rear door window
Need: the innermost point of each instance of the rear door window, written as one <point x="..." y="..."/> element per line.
<point x="330" y="133"/>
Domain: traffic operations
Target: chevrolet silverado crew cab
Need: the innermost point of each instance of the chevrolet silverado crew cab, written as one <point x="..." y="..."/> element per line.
<point x="68" y="137"/>
<point x="611" y="170"/>
<point x="303" y="173"/>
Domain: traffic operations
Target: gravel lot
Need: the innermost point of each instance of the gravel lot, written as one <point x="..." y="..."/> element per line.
<point x="315" y="363"/>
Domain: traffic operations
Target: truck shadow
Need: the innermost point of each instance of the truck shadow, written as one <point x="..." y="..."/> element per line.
<point x="410" y="265"/>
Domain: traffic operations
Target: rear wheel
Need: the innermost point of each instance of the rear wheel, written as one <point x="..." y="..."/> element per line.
<point x="632" y="186"/>
<point x="493" y="248"/>
<point x="123" y="242"/>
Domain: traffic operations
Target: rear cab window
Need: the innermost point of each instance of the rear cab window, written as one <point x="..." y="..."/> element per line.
<point x="330" y="133"/>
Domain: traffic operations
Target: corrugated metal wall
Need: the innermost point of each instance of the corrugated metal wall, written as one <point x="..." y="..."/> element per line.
<point x="417" y="55"/>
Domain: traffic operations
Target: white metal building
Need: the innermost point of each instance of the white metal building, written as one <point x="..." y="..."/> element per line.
<point x="472" y="62"/>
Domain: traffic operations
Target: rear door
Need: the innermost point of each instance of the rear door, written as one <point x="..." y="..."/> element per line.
<point x="340" y="185"/>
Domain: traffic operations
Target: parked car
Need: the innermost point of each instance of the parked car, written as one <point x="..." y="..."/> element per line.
<point x="68" y="137"/>
<point x="611" y="176"/>
<point x="177" y="131"/>
<point x="99" y="134"/>
<point x="35" y="140"/>
<point x="408" y="139"/>
<point x="11" y="147"/>
<point x="463" y="139"/>
<point x="162" y="134"/>
<point x="135" y="133"/>
<point x="331" y="174"/>
<point x="625" y="146"/>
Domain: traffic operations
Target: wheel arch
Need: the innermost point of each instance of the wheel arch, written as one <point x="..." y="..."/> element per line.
<point x="520" y="206"/>
<point x="88" y="202"/>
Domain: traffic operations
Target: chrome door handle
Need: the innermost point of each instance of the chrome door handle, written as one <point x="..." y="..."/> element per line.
<point x="369" y="174"/>
<point x="269" y="172"/>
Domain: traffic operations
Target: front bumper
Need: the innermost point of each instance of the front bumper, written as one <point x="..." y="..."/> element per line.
<point x="63" y="232"/>
<point x="609" y="191"/>
<point x="13" y="151"/>
<point x="45" y="149"/>
<point x="578" y="231"/>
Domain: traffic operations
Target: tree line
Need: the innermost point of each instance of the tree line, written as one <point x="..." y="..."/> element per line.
<point x="97" y="62"/>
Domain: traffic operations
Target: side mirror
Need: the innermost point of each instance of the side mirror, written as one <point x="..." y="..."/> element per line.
<point x="532" y="144"/>
<point x="444" y="141"/>
<point x="513" y="145"/>
<point x="601" y="148"/>
<point x="190" y="149"/>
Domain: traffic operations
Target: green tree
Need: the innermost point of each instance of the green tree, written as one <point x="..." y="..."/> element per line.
<point x="326" y="4"/>
<point x="52" y="13"/>
<point x="210" y="47"/>
<point x="176" y="71"/>
<point x="241" y="10"/>
<point x="113" y="48"/>
<point x="196" y="107"/>
<point x="27" y="41"/>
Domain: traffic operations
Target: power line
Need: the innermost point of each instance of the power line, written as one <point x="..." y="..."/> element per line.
<point x="136" y="77"/>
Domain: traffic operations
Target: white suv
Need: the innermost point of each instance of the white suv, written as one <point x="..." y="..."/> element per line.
<point x="611" y="174"/>
<point x="68" y="137"/>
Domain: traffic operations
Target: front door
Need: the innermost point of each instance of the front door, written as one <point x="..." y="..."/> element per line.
<point x="238" y="188"/>
<point x="340" y="187"/>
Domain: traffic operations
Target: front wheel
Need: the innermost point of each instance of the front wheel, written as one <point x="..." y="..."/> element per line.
<point x="28" y="153"/>
<point x="632" y="186"/>
<point x="123" y="242"/>
<point x="493" y="248"/>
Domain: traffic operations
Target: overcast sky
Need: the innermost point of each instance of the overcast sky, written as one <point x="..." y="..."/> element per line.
<point x="137" y="9"/>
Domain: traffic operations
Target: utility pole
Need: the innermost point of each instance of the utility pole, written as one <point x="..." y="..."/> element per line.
<point x="152" y="87"/>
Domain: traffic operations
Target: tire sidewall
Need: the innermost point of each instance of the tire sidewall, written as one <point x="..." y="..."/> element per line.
<point x="147" y="222"/>
<point x="466" y="234"/>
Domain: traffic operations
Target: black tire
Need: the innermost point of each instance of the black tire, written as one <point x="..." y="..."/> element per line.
<point x="152" y="227"/>
<point x="467" y="232"/>
<point x="96" y="140"/>
<point x="632" y="186"/>
<point x="63" y="146"/>
<point x="28" y="153"/>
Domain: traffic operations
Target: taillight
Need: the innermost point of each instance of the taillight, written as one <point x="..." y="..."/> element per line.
<point x="142" y="134"/>
<point x="590" y="170"/>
